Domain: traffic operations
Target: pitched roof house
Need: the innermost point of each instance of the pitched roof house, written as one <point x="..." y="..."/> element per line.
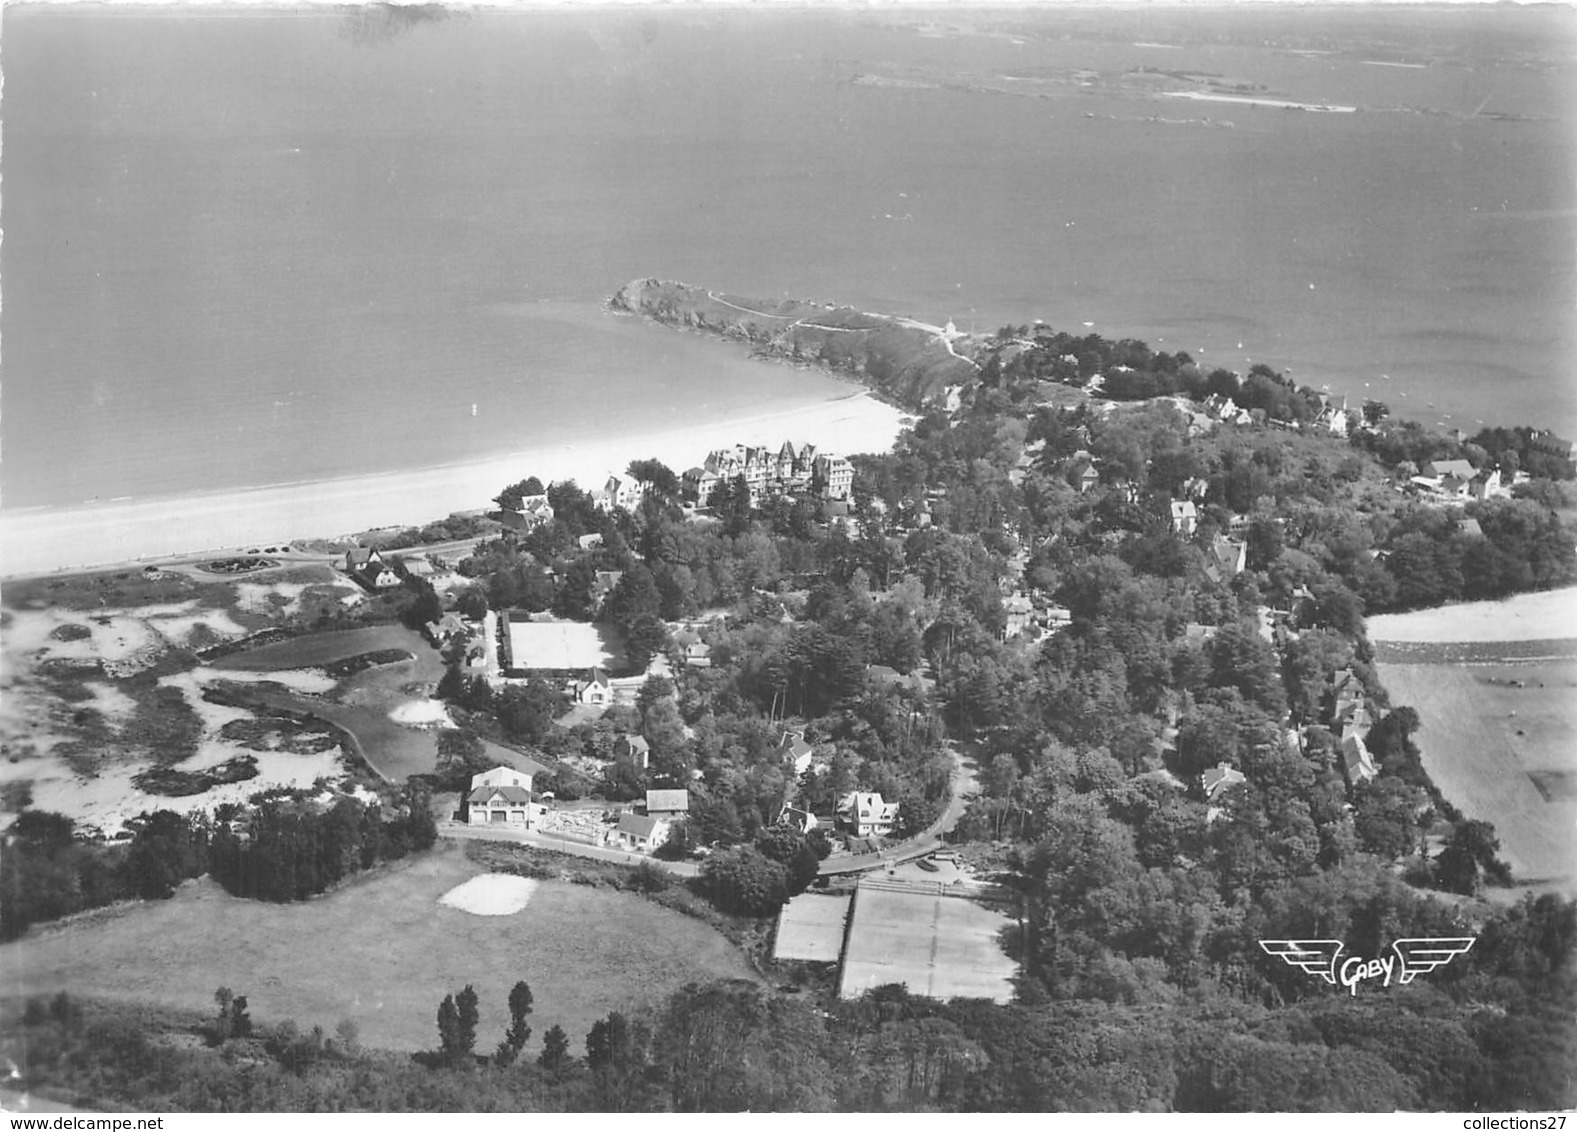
<point x="1185" y="517"/>
<point x="595" y="689"/>
<point x="667" y="803"/>
<point x="1357" y="764"/>
<point x="501" y="796"/>
<point x="1225" y="558"/>
<point x="1218" y="778"/>
<point x="867" y="815"/>
<point x="639" y="834"/>
<point x="793" y="748"/>
<point x="446" y="628"/>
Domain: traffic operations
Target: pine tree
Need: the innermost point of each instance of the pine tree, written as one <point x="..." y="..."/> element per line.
<point x="449" y="1028"/>
<point x="467" y="1015"/>
<point x="555" y="1048"/>
<point x="519" y="1032"/>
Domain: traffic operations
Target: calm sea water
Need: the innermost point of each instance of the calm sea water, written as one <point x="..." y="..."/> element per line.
<point x="254" y="249"/>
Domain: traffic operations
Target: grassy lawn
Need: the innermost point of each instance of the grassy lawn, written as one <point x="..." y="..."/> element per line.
<point x="1502" y="753"/>
<point x="316" y="649"/>
<point x="384" y="952"/>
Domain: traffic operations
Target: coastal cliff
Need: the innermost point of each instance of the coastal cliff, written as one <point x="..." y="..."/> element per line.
<point x="906" y="360"/>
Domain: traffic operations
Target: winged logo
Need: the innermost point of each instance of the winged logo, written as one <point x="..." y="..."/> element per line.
<point x="1418" y="956"/>
<point x="1316" y="956"/>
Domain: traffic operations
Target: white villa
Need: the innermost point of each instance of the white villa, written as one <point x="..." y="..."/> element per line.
<point x="502" y="796"/>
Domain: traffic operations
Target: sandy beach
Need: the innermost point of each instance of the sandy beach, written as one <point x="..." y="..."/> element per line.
<point x="39" y="541"/>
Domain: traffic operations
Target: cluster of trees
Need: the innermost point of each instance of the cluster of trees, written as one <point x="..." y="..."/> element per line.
<point x="756" y="880"/>
<point x="290" y="850"/>
<point x="1131" y="371"/>
<point x="1430" y="560"/>
<point x="47" y="872"/>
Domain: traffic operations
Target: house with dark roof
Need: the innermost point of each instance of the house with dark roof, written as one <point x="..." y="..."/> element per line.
<point x="361" y="558"/>
<point x="596" y="689"/>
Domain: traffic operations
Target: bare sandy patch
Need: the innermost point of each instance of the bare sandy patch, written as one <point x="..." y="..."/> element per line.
<point x="306" y="680"/>
<point x="214" y="716"/>
<point x="1547" y="616"/>
<point x="492" y="894"/>
<point x="422" y="713"/>
<point x="178" y="630"/>
<point x="114" y="703"/>
<point x="111" y="799"/>
<point x="270" y="598"/>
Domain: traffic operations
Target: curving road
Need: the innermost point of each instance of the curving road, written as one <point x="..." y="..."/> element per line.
<point x="960" y="790"/>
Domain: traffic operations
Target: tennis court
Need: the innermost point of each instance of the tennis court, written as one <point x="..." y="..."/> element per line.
<point x="935" y="943"/>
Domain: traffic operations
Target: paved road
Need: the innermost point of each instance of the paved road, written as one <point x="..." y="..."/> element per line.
<point x="961" y="789"/>
<point x="458" y="832"/>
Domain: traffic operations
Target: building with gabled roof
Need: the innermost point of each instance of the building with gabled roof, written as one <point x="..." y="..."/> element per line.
<point x="867" y="815"/>
<point x="1225" y="558"/>
<point x="596" y="689"/>
<point x="1357" y="763"/>
<point x="360" y="558"/>
<point x="1185" y="517"/>
<point x="501" y="796"/>
<point x="1218" y="778"/>
<point x="640" y="835"/>
<point x="667" y="803"/>
<point x="793" y="749"/>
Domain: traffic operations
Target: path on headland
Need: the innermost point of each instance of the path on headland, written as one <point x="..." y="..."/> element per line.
<point x="937" y="332"/>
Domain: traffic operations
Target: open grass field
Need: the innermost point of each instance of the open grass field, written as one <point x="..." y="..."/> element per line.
<point x="316" y="649"/>
<point x="940" y="946"/>
<point x="1501" y="743"/>
<point x="383" y="951"/>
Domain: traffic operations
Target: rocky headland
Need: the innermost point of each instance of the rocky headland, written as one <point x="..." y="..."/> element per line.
<point x="902" y="359"/>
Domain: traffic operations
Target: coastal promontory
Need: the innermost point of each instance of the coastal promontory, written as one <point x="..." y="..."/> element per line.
<point x="905" y="359"/>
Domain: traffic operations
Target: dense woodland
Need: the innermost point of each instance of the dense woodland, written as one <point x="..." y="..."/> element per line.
<point x="1142" y="901"/>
